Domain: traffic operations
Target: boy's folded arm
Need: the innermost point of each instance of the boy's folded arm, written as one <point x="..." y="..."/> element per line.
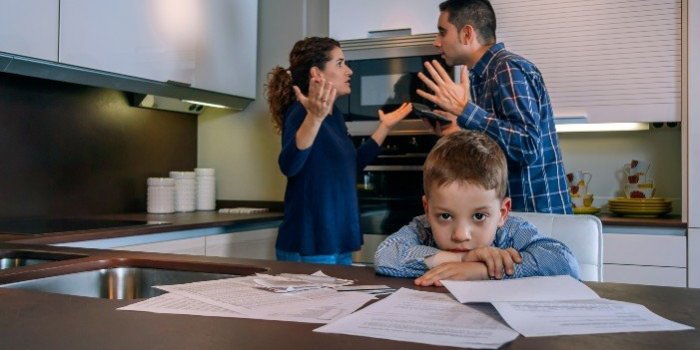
<point x="408" y="262"/>
<point x="442" y="257"/>
<point x="458" y="271"/>
<point x="546" y="257"/>
<point x="402" y="254"/>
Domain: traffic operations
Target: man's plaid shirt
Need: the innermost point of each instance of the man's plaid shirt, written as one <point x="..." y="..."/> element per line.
<point x="510" y="103"/>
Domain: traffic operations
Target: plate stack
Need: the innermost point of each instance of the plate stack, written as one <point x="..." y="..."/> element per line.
<point x="639" y="207"/>
<point x="206" y="188"/>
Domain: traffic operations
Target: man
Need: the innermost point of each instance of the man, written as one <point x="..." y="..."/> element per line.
<point x="509" y="102"/>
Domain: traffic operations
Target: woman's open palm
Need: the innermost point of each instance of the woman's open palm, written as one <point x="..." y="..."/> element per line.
<point x="390" y="119"/>
<point x="319" y="102"/>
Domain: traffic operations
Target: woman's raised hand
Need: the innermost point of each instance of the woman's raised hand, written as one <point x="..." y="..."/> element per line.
<point x="390" y="119"/>
<point x="319" y="102"/>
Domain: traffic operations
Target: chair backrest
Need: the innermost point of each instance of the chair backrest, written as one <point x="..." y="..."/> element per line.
<point x="583" y="234"/>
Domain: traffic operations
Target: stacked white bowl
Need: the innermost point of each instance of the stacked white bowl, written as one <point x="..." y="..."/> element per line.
<point x="185" y="190"/>
<point x="160" y="197"/>
<point x="206" y="188"/>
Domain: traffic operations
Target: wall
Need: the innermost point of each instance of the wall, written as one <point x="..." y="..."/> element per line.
<point x="604" y="155"/>
<point x="70" y="150"/>
<point x="243" y="146"/>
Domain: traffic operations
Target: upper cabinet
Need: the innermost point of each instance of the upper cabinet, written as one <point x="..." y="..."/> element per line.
<point x="206" y="44"/>
<point x="612" y="61"/>
<point x="355" y="19"/>
<point x="29" y="28"/>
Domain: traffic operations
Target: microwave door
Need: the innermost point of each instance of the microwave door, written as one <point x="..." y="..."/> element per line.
<point x="384" y="84"/>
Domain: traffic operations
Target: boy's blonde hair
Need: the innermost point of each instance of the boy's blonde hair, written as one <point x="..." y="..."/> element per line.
<point x="466" y="156"/>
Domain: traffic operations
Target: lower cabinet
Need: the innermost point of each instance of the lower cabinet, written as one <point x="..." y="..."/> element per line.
<point x="651" y="259"/>
<point x="254" y="244"/>
<point x="251" y="244"/>
<point x="694" y="257"/>
<point x="366" y="254"/>
<point x="189" y="246"/>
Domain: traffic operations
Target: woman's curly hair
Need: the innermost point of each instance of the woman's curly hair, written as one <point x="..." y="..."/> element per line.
<point x="307" y="53"/>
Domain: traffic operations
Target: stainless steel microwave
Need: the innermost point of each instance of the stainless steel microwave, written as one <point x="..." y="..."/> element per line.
<point x="385" y="74"/>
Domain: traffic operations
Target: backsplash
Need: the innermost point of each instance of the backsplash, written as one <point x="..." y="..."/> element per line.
<point x="603" y="154"/>
<point x="70" y="150"/>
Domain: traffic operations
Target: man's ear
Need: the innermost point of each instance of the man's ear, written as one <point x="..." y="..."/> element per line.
<point x="467" y="34"/>
<point x="505" y="209"/>
<point x="425" y="204"/>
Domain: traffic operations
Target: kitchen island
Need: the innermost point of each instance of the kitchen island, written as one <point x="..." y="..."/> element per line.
<point x="37" y="320"/>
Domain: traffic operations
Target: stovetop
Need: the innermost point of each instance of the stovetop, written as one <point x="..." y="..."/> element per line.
<point x="43" y="225"/>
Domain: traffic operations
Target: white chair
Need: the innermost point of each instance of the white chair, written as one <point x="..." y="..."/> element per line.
<point x="583" y="234"/>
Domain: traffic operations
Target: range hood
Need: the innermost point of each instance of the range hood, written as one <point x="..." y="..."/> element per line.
<point x="156" y="94"/>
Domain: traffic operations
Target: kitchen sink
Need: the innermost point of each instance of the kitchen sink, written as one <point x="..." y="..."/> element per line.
<point x="130" y="281"/>
<point x="18" y="258"/>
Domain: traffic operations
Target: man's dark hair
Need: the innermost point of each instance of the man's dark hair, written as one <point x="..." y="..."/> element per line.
<point x="476" y="13"/>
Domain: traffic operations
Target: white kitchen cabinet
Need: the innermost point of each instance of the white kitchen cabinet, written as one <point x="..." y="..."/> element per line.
<point x="648" y="275"/>
<point x="189" y="246"/>
<point x="653" y="259"/>
<point x="253" y="244"/>
<point x="208" y="44"/>
<point x="611" y="61"/>
<point x="29" y="28"/>
<point x="691" y="144"/>
<point x="694" y="257"/>
<point x="354" y="19"/>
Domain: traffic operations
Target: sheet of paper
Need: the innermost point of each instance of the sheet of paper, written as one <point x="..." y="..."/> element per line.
<point x="427" y="318"/>
<point x="172" y="303"/>
<point x="328" y="310"/>
<point x="536" y="319"/>
<point x="546" y="288"/>
<point x="240" y="294"/>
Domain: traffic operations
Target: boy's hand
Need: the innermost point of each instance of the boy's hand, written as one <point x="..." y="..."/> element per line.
<point x="497" y="260"/>
<point x="464" y="271"/>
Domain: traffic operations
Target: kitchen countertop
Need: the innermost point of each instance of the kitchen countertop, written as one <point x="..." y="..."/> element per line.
<point x="175" y="222"/>
<point x="666" y="221"/>
<point x="205" y="219"/>
<point x="35" y="320"/>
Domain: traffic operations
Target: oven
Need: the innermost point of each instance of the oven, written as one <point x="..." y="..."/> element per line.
<point x="390" y="189"/>
<point x="385" y="74"/>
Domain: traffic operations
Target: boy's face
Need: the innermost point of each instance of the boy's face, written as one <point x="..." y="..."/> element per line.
<point x="464" y="216"/>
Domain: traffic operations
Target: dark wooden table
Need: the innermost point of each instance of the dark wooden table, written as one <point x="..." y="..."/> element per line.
<point x="34" y="320"/>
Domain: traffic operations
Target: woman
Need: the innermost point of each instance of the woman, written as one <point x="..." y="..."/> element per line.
<point x="321" y="217"/>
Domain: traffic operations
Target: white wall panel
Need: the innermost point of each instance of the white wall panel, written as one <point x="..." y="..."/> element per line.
<point x="612" y="60"/>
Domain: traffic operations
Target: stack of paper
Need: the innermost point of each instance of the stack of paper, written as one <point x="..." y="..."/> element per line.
<point x="290" y="282"/>
<point x="242" y="297"/>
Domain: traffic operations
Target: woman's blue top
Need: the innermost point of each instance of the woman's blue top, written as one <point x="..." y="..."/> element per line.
<point x="321" y="214"/>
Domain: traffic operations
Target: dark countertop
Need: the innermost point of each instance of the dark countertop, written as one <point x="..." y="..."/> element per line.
<point x="665" y="221"/>
<point x="175" y="222"/>
<point x="205" y="219"/>
<point x="35" y="320"/>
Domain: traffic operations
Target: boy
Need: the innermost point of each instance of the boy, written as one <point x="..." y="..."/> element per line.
<point x="466" y="233"/>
